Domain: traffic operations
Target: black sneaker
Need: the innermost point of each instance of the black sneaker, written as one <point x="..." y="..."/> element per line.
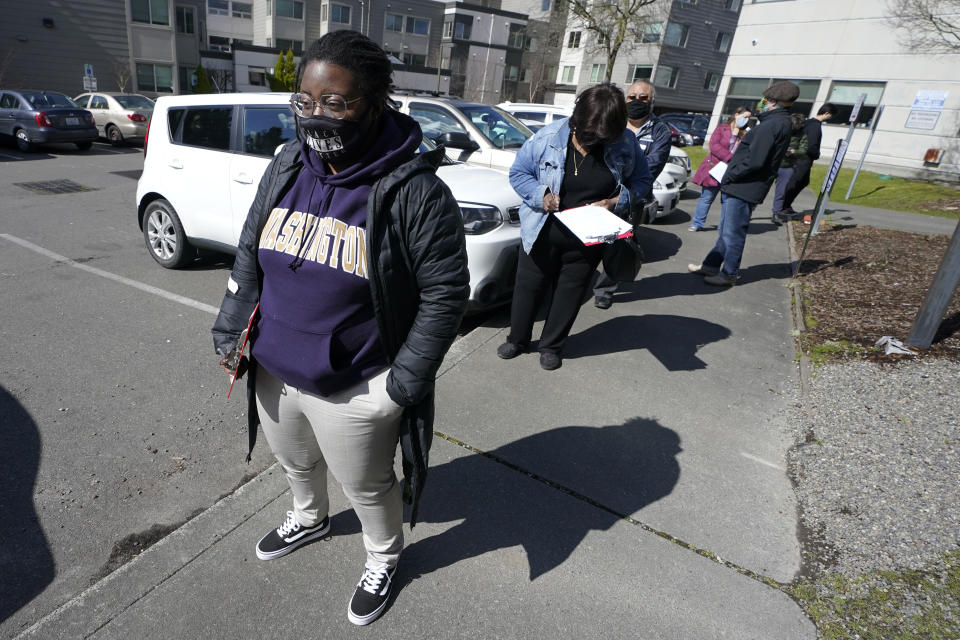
<point x="509" y="350"/>
<point x="289" y="536"/>
<point x="372" y="593"/>
<point x="603" y="302"/>
<point x="550" y="361"/>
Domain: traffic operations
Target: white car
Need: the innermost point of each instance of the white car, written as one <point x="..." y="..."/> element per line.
<point x="204" y="157"/>
<point x="677" y="169"/>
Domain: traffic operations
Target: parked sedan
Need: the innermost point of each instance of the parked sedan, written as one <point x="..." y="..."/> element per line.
<point x="121" y="117"/>
<point x="41" y="117"/>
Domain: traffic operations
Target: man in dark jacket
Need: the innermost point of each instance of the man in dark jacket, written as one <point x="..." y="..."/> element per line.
<point x="653" y="136"/>
<point x="746" y="182"/>
<point x="801" y="170"/>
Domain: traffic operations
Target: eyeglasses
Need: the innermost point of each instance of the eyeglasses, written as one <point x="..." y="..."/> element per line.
<point x="333" y="105"/>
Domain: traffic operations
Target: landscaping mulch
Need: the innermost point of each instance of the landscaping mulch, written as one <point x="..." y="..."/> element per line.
<point x="862" y="283"/>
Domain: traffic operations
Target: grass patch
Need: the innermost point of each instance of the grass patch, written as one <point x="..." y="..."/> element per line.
<point x="898" y="194"/>
<point x="886" y="604"/>
<point x="834" y="350"/>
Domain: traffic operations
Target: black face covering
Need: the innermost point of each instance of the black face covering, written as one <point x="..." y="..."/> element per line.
<point x="332" y="139"/>
<point x="638" y="109"/>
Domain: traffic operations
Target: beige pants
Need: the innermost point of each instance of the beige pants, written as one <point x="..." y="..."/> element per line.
<point x="354" y="434"/>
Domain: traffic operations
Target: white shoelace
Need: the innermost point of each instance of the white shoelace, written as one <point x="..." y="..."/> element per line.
<point x="288" y="526"/>
<point x="373" y="577"/>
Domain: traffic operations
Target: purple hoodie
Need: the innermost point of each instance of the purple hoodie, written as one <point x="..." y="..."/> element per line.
<point x="317" y="329"/>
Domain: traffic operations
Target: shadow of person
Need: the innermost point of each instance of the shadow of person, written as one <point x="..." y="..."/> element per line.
<point x="616" y="470"/>
<point x="673" y="340"/>
<point x="658" y="245"/>
<point x="769" y="271"/>
<point x="26" y="563"/>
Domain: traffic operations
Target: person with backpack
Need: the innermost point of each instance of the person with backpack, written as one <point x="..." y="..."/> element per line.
<point x="801" y="171"/>
<point x="796" y="149"/>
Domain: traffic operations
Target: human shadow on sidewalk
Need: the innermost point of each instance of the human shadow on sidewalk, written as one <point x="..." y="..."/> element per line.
<point x="26" y="563"/>
<point x="658" y="245"/>
<point x="544" y="492"/>
<point x="673" y="340"/>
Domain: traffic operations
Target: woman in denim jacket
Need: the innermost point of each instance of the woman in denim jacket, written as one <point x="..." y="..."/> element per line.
<point x="589" y="158"/>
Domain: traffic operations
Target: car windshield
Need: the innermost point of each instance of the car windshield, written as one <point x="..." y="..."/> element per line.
<point x="499" y="127"/>
<point x="680" y="126"/>
<point x="134" y="102"/>
<point x="39" y="100"/>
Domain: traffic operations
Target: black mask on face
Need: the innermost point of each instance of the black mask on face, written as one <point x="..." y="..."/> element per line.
<point x="332" y="139"/>
<point x="638" y="109"/>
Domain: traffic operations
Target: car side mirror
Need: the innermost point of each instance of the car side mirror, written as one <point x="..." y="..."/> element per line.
<point x="457" y="140"/>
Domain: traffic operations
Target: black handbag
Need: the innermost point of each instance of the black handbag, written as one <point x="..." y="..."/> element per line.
<point x="623" y="258"/>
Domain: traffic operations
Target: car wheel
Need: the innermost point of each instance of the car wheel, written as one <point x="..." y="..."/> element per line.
<point x="83" y="146"/>
<point x="114" y="136"/>
<point x="23" y="141"/>
<point x="164" y="235"/>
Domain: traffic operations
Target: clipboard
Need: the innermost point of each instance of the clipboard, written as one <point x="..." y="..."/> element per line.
<point x="242" y="342"/>
<point x="594" y="225"/>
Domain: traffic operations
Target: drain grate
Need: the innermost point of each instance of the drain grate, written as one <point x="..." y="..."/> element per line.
<point x="54" y="186"/>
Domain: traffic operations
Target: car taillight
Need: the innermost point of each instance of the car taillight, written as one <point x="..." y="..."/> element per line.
<point x="137" y="117"/>
<point x="42" y="120"/>
<point x="146" y="137"/>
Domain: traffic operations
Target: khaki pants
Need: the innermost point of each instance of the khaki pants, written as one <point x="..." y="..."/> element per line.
<point x="354" y="434"/>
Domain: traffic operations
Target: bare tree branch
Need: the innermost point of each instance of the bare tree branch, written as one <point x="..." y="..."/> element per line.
<point x="121" y="74"/>
<point x="931" y="26"/>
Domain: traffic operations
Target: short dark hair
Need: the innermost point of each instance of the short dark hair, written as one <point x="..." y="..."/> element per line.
<point x="600" y="114"/>
<point x="828" y="107"/>
<point x="358" y="54"/>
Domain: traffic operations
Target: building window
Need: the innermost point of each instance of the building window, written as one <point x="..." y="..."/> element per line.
<point x="525" y="75"/>
<point x="150" y="11"/>
<point x="602" y="39"/>
<point x="218" y="7"/>
<point x="516" y="37"/>
<point x="415" y="59"/>
<point x="257" y="76"/>
<point x="746" y="92"/>
<point x="638" y="72"/>
<point x="651" y="33"/>
<point x="155" y="77"/>
<point x="511" y="72"/>
<point x="676" y="34"/>
<point x="462" y="31"/>
<point x="567" y="76"/>
<point x="722" y="43"/>
<point x="340" y="13"/>
<point x="553" y="40"/>
<point x="394" y="22"/>
<point x="666" y="76"/>
<point x="711" y="81"/>
<point x="290" y="9"/>
<point x="187" y="79"/>
<point x="237" y="41"/>
<point x="844" y="95"/>
<point x="289" y="45"/>
<point x="242" y="10"/>
<point x="219" y="43"/>
<point x="544" y="5"/>
<point x="269" y="4"/>
<point x="733" y="5"/>
<point x="598" y="72"/>
<point x="530" y="44"/>
<point x="185" y="20"/>
<point x="323" y="12"/>
<point x="418" y="26"/>
<point x="573" y="40"/>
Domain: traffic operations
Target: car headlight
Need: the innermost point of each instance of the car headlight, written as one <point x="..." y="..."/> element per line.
<point x="479" y="218"/>
<point x="680" y="161"/>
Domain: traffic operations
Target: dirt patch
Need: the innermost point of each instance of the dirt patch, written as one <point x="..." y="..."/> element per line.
<point x="861" y="283"/>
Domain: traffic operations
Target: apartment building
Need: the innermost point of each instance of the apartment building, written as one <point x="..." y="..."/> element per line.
<point x="836" y="51"/>
<point x="148" y="46"/>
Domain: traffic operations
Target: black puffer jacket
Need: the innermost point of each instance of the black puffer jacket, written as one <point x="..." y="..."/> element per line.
<point x="418" y="281"/>
<point x="754" y="164"/>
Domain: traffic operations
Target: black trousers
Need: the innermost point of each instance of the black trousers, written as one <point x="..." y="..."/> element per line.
<point x="798" y="181"/>
<point x="558" y="264"/>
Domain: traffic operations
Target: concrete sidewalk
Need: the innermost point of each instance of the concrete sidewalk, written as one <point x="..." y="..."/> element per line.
<point x="638" y="491"/>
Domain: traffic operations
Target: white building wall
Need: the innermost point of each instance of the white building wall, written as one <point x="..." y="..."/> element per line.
<point x="851" y="41"/>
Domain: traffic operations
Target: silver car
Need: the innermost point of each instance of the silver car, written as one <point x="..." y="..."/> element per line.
<point x="121" y="117"/>
<point x="41" y="117"/>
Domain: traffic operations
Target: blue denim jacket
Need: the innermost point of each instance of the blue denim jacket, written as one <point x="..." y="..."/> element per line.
<point x="539" y="166"/>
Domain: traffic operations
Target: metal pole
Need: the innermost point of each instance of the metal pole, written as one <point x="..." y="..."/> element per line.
<point x="873" y="130"/>
<point x="938" y="296"/>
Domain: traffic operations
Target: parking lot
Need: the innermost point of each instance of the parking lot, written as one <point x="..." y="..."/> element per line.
<point x="114" y="411"/>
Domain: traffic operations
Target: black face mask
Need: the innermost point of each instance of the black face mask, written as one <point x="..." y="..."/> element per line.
<point x="332" y="139"/>
<point x="638" y="109"/>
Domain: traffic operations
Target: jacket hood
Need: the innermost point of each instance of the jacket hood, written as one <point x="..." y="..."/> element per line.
<point x="396" y="141"/>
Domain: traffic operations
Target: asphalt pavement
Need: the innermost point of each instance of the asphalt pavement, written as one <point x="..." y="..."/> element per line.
<point x="638" y="491"/>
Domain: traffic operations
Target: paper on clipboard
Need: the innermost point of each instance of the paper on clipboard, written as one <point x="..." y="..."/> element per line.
<point x="594" y="225"/>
